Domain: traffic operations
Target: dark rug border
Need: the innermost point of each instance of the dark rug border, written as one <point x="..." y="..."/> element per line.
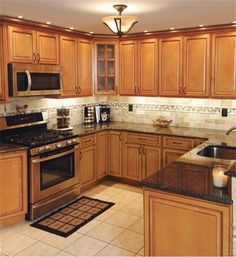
<point x="63" y="234"/>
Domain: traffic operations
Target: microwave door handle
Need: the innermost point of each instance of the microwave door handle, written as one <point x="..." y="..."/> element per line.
<point x="29" y="81"/>
<point x="38" y="160"/>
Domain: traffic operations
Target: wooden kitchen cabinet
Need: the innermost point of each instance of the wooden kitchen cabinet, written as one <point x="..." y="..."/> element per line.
<point x="88" y="160"/>
<point x="170" y="155"/>
<point x="223" y="65"/>
<point x="203" y="228"/>
<point x="31" y="46"/>
<point x="1" y="65"/>
<point x="106" y="71"/>
<point x="84" y="68"/>
<point x="102" y="154"/>
<point x="142" y="155"/>
<point x="128" y="67"/>
<point x="68" y="60"/>
<point x="170" y="65"/>
<point x="13" y="187"/>
<point x="138" y="61"/>
<point x="116" y="153"/>
<point x="196" y="62"/>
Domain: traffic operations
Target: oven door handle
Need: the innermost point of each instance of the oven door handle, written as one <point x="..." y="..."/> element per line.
<point x="38" y="160"/>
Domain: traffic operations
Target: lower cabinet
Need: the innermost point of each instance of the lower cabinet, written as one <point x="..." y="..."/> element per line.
<point x="13" y="187"/>
<point x="170" y="155"/>
<point x="151" y="160"/>
<point x="88" y="160"/>
<point x="102" y="154"/>
<point x="182" y="226"/>
<point x="115" y="152"/>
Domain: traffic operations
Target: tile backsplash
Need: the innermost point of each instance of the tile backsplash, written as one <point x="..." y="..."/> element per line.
<point x="185" y="112"/>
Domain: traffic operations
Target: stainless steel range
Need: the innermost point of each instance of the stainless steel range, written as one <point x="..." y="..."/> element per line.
<point x="52" y="161"/>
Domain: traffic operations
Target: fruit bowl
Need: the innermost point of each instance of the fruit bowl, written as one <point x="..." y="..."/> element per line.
<point x="162" y="122"/>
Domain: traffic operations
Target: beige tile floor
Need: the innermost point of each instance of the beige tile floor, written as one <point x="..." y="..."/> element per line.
<point x="116" y="232"/>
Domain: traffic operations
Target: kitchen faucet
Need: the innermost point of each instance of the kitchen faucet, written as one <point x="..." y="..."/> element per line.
<point x="230" y="130"/>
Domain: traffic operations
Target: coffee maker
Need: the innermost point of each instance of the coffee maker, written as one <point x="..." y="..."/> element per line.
<point x="102" y="113"/>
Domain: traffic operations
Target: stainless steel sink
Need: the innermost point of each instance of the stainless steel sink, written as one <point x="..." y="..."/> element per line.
<point x="219" y="151"/>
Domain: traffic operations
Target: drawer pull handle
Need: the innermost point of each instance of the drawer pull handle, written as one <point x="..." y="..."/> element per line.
<point x="87" y="141"/>
<point x="177" y="143"/>
<point x="140" y="138"/>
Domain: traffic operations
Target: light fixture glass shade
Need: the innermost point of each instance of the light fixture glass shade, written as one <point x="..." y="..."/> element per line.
<point x="120" y="24"/>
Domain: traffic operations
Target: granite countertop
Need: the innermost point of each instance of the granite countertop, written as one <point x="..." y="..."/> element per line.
<point x="194" y="180"/>
<point x="6" y="148"/>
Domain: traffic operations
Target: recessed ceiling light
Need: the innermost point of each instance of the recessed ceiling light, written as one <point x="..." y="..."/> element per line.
<point x="201" y="25"/>
<point x="91" y="32"/>
<point x="20" y="17"/>
<point x="145" y="31"/>
<point x="72" y="28"/>
<point x="172" y="28"/>
<point x="48" y="22"/>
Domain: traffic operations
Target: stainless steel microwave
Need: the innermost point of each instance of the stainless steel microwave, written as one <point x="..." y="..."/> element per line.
<point x="34" y="79"/>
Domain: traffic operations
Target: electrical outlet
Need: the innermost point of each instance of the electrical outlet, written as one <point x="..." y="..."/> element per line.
<point x="130" y="107"/>
<point x="224" y="112"/>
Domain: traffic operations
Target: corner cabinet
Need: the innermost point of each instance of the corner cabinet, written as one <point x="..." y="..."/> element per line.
<point x="224" y="65"/>
<point x="138" y="65"/>
<point x="184" y="226"/>
<point x="106" y="68"/>
<point x="13" y="187"/>
<point x="30" y="46"/>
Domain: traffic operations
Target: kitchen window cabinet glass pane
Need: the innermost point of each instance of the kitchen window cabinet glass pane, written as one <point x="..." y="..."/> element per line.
<point x="101" y="68"/>
<point x="101" y="51"/>
<point x="110" y="51"/>
<point x="101" y="83"/>
<point x="111" y="83"/>
<point x="111" y="68"/>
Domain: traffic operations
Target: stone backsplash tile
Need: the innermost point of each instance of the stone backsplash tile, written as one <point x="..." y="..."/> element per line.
<point x="185" y="112"/>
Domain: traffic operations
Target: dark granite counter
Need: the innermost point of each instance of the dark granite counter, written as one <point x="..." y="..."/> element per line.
<point x="187" y="179"/>
<point x="8" y="148"/>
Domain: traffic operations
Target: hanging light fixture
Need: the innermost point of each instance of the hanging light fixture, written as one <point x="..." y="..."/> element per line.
<point x="120" y="24"/>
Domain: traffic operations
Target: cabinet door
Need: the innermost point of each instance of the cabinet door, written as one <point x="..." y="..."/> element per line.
<point x="1" y="65"/>
<point x="170" y="155"/>
<point x="85" y="68"/>
<point x="22" y="45"/>
<point x="47" y="48"/>
<point x="102" y="154"/>
<point x="115" y="151"/>
<point x="13" y="185"/>
<point x="68" y="54"/>
<point x="128" y="68"/>
<point x="170" y="66"/>
<point x="132" y="161"/>
<point x="88" y="165"/>
<point x="196" y="66"/>
<point x="224" y="65"/>
<point x="148" y="67"/>
<point x="152" y="160"/>
<point x="203" y="228"/>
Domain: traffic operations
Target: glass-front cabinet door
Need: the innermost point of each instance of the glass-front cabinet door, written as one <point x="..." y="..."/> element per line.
<point x="106" y="68"/>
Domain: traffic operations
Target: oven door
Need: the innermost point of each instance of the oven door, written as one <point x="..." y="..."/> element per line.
<point x="53" y="172"/>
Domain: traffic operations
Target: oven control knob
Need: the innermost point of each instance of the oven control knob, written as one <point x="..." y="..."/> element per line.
<point x="58" y="145"/>
<point x="47" y="147"/>
<point x="41" y="149"/>
<point x="69" y="142"/>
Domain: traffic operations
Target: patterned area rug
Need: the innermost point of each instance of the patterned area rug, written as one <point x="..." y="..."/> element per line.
<point x="71" y="217"/>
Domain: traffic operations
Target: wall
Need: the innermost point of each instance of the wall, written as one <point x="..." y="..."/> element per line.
<point x="199" y="113"/>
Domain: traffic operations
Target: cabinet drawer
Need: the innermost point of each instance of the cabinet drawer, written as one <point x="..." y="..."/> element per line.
<point x="146" y="139"/>
<point x="87" y="140"/>
<point x="178" y="142"/>
<point x="199" y="141"/>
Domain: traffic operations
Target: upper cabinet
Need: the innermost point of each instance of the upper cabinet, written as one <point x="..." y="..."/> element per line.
<point x="68" y="60"/>
<point x="170" y="66"/>
<point x="128" y="67"/>
<point x="184" y="66"/>
<point x="138" y="64"/>
<point x="224" y="65"/>
<point x="85" y="68"/>
<point x="30" y="46"/>
<point x="106" y="68"/>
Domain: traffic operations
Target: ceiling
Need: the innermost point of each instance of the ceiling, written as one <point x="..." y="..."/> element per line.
<point x="85" y="15"/>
